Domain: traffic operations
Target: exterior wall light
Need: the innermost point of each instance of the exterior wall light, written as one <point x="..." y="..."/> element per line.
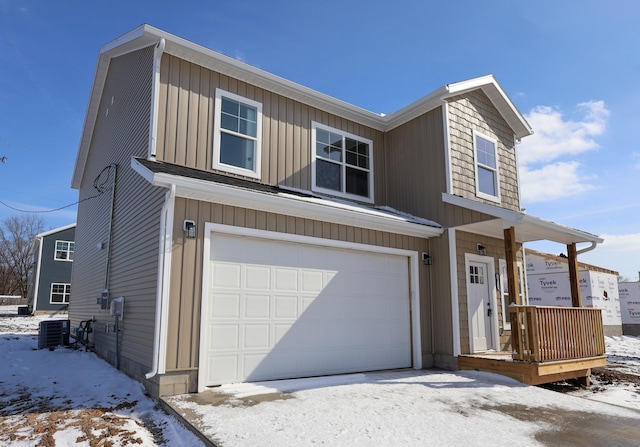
<point x="189" y="228"/>
<point x="426" y="258"/>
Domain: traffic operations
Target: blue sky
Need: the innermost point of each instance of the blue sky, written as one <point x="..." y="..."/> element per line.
<point x="571" y="67"/>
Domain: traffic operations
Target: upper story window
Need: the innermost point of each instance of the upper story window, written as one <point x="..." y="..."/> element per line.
<point x="64" y="251"/>
<point x="342" y="163"/>
<point x="237" y="134"/>
<point x="487" y="175"/>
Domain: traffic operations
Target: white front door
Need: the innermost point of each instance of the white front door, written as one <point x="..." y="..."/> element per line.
<point x="479" y="306"/>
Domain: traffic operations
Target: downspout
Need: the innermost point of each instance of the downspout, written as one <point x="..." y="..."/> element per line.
<point x="165" y="241"/>
<point x="155" y="99"/>
<point x="586" y="249"/>
<point x="37" y="277"/>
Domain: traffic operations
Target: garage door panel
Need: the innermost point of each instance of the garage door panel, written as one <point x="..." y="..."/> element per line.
<point x="225" y="305"/>
<point x="257" y="306"/>
<point x="257" y="336"/>
<point x="285" y="307"/>
<point x="286" y="310"/>
<point x="257" y="277"/>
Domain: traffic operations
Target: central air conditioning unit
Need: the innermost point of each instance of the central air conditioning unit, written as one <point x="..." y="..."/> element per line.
<point x="53" y="333"/>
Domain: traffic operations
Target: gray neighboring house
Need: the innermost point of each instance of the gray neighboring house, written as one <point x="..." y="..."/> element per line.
<point x="50" y="278"/>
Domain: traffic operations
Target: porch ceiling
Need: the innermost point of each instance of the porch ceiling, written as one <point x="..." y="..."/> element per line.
<point x="528" y="228"/>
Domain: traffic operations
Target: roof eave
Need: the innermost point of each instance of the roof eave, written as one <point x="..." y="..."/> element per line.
<point x="281" y="204"/>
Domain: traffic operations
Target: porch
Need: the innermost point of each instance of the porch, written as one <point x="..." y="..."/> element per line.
<point x="549" y="344"/>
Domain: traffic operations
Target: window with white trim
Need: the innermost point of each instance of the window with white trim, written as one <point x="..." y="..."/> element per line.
<point x="60" y="293"/>
<point x="237" y="142"/>
<point x="64" y="251"/>
<point x="342" y="163"/>
<point x="504" y="291"/>
<point x="486" y="160"/>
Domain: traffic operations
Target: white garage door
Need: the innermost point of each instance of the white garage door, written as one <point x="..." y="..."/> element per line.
<point x="280" y="310"/>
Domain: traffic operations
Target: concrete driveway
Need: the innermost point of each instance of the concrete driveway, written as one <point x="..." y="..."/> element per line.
<point x="406" y="407"/>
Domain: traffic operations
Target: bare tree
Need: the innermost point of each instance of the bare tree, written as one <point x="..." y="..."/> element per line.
<point x="17" y="234"/>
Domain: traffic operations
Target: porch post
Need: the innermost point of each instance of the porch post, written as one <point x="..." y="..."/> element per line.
<point x="512" y="284"/>
<point x="510" y="249"/>
<point x="574" y="279"/>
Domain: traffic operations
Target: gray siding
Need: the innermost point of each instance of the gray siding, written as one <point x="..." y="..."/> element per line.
<point x="470" y="111"/>
<point x="121" y="131"/>
<point x="52" y="271"/>
<point x="187" y="263"/>
<point x="186" y="123"/>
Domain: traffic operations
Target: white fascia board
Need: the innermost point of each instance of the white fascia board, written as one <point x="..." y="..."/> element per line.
<point x="55" y="230"/>
<point x="552" y="226"/>
<point x="474" y="205"/>
<point x="515" y="218"/>
<point x="500" y="99"/>
<point x="287" y="205"/>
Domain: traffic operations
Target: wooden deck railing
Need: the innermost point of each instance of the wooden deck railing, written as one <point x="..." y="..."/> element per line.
<point x="556" y="333"/>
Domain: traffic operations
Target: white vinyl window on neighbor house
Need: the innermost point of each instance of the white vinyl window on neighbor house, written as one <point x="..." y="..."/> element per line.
<point x="237" y="134"/>
<point x="60" y="293"/>
<point x="486" y="161"/>
<point x="342" y="163"/>
<point x="64" y="251"/>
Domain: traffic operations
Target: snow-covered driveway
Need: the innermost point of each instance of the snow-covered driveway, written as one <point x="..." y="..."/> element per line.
<point x="407" y="408"/>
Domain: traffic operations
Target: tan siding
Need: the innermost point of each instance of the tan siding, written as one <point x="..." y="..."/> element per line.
<point x="474" y="111"/>
<point x="467" y="243"/>
<point x="186" y="122"/>
<point x="187" y="263"/>
<point x="416" y="168"/>
<point x="121" y="132"/>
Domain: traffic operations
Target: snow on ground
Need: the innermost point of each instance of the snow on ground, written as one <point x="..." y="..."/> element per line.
<point x="71" y="397"/>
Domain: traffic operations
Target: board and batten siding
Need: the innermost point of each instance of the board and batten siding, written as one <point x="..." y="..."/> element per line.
<point x="416" y="166"/>
<point x="121" y="131"/>
<point x="187" y="263"/>
<point x="186" y="126"/>
<point x="474" y="111"/>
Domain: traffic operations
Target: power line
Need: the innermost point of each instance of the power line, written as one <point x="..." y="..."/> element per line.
<point x="99" y="183"/>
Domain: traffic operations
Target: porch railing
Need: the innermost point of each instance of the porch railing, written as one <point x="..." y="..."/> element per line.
<point x="546" y="333"/>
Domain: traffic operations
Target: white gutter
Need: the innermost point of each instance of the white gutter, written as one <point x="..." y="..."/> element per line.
<point x="155" y="98"/>
<point x="164" y="258"/>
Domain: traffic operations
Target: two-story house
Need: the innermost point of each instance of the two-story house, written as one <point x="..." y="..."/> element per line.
<point x="50" y="276"/>
<point x="257" y="229"/>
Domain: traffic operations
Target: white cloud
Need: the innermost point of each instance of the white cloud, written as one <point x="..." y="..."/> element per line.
<point x="618" y="252"/>
<point x="552" y="181"/>
<point x="548" y="169"/>
<point x="555" y="137"/>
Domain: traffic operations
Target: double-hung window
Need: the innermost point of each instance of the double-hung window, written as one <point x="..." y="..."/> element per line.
<point x="237" y="134"/>
<point x="487" y="175"/>
<point x="342" y="163"/>
<point x="64" y="251"/>
<point x="60" y="293"/>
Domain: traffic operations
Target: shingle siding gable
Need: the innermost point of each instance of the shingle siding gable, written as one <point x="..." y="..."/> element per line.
<point x="474" y="111"/>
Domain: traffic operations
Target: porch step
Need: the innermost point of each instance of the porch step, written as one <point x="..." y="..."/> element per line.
<point x="532" y="373"/>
